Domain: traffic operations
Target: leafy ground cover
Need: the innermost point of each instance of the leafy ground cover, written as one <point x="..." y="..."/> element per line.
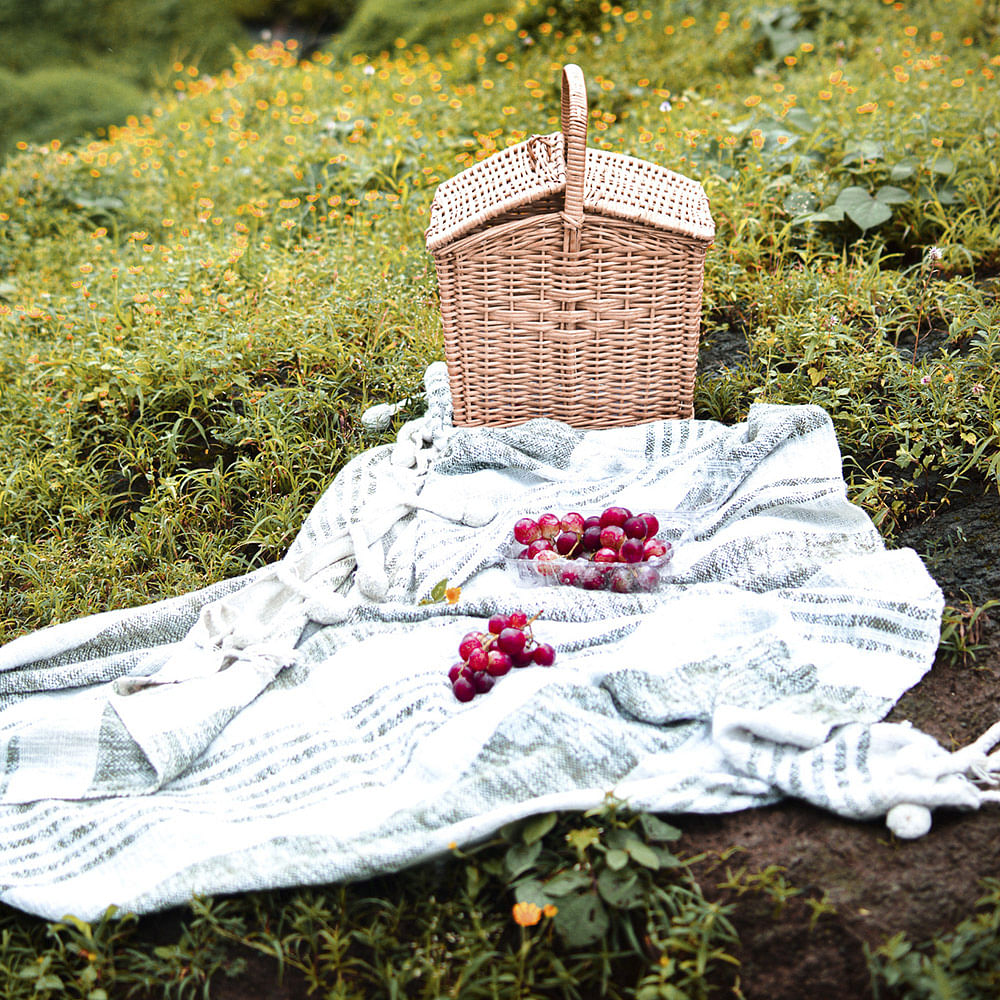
<point x="195" y="311"/>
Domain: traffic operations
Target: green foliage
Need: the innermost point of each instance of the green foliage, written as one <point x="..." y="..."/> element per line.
<point x="136" y="38"/>
<point x="377" y="24"/>
<point x="196" y="309"/>
<point x="962" y="630"/>
<point x="607" y="887"/>
<point x="326" y="14"/>
<point x="960" y="965"/>
<point x="63" y="103"/>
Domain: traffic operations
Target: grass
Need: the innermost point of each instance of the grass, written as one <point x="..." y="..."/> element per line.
<point x="195" y="311"/>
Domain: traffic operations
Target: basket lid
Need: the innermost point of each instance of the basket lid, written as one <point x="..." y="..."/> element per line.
<point x="615" y="185"/>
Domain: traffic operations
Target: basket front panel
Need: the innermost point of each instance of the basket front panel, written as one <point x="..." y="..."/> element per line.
<point x="604" y="336"/>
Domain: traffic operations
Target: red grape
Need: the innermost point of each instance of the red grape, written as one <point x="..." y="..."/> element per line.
<point x="463" y="689"/>
<point x="615" y="515"/>
<point x="544" y="655"/>
<point x="526" y="530"/>
<point x="499" y="663"/>
<point x="612" y="536"/>
<point x="548" y="524"/>
<point x="654" y="548"/>
<point x="483" y="682"/>
<point x="497" y="624"/>
<point x="631" y="550"/>
<point x="635" y="527"/>
<point x="511" y="641"/>
<point x="566" y="542"/>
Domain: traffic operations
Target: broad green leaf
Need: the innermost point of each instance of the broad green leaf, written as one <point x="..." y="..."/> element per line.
<point x="902" y="170"/>
<point x="892" y="195"/>
<point x="862" y="209"/>
<point x="538" y="826"/>
<point x="832" y="213"/>
<point x="802" y="120"/>
<point x="799" y="202"/>
<point x="943" y="165"/>
<point x="616" y="859"/>
<point x="866" y="149"/>
<point x="521" y="857"/>
<point x="620" y="889"/>
<point x="566" y="882"/>
<point x="644" y="854"/>
<point x="582" y="920"/>
<point x="656" y="830"/>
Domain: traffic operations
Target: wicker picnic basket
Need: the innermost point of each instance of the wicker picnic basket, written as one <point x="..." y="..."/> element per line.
<point x="570" y="281"/>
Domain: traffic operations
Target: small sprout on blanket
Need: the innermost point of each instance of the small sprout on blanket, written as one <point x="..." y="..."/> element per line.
<point x="486" y="656"/>
<point x="442" y="592"/>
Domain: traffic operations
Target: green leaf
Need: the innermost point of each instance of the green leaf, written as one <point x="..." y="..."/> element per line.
<point x="566" y="882"/>
<point x="582" y="920"/>
<point x="437" y="592"/>
<point x="892" y="195"/>
<point x="521" y="857"/>
<point x="832" y="213"/>
<point x="866" y="149"/>
<point x="799" y="201"/>
<point x="902" y="170"/>
<point x="862" y="209"/>
<point x="620" y="889"/>
<point x="616" y="859"/>
<point x="656" y="830"/>
<point x="538" y="826"/>
<point x="944" y="166"/>
<point x="802" y="120"/>
<point x="644" y="854"/>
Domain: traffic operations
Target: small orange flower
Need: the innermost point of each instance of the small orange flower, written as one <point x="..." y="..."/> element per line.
<point x="527" y="914"/>
<point x="452" y="594"/>
<point x="550" y="910"/>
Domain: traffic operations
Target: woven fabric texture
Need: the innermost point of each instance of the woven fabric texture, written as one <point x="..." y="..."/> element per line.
<point x="297" y="725"/>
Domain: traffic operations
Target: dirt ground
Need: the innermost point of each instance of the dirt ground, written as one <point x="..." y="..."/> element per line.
<point x="878" y="885"/>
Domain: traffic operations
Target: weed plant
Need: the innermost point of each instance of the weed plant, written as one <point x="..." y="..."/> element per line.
<point x="195" y="311"/>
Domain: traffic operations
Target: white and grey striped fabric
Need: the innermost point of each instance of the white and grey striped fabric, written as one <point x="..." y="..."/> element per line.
<point x="297" y="725"/>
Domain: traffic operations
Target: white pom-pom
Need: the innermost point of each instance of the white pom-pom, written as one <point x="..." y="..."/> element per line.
<point x="374" y="586"/>
<point x="908" y="821"/>
<point x="378" y="417"/>
<point x="478" y="511"/>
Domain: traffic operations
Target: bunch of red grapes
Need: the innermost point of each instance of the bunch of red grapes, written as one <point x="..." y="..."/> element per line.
<point x="508" y="642"/>
<point x="615" y="550"/>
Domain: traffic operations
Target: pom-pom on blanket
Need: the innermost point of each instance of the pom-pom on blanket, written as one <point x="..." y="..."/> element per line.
<point x="297" y="725"/>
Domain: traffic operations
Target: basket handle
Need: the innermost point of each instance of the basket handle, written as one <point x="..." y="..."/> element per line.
<point x="574" y="129"/>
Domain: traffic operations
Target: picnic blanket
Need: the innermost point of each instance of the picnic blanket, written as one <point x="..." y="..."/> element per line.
<point x="296" y="725"/>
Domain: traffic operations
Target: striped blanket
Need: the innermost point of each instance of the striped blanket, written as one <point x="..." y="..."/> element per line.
<point x="297" y="726"/>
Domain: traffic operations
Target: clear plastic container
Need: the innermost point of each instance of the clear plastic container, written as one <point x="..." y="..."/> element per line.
<point x="618" y="577"/>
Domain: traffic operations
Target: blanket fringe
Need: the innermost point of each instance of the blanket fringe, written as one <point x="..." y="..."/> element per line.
<point x="975" y="763"/>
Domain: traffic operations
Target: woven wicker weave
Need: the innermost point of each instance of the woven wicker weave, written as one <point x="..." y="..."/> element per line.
<point x="570" y="281"/>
